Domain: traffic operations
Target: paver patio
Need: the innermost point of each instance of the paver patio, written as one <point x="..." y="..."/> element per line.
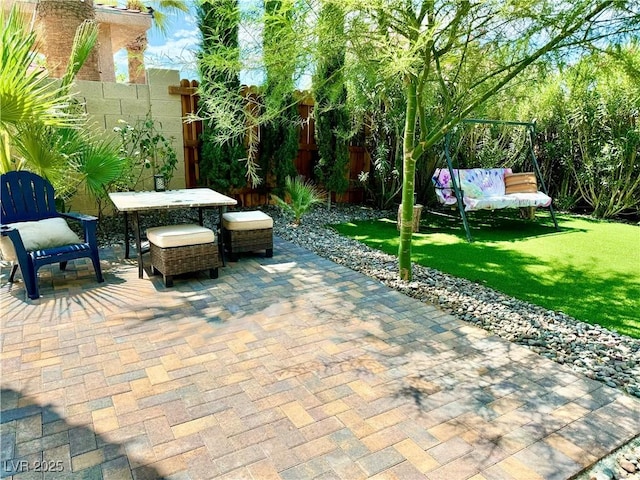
<point x="291" y="367"/>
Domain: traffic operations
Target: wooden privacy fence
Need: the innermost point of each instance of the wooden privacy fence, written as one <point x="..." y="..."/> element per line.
<point x="188" y="91"/>
<point x="305" y="161"/>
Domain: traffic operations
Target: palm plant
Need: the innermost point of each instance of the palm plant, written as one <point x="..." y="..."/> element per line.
<point x="300" y="196"/>
<point x="41" y="129"/>
<point x="26" y="95"/>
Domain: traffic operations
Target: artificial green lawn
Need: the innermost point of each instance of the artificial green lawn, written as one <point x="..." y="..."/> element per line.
<point x="589" y="269"/>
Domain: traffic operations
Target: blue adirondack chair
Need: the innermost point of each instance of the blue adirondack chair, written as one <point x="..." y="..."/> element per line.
<point x="39" y="233"/>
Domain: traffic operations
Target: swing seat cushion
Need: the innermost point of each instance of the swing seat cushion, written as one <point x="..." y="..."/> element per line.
<point x="511" y="200"/>
<point x="484" y="189"/>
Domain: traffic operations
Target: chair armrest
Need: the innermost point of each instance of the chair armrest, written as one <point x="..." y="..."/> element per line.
<point x="81" y="217"/>
<point x="14" y="236"/>
<point x="22" y="257"/>
<point x="89" y="224"/>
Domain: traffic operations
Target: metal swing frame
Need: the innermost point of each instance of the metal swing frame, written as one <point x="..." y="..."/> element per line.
<point x="530" y="126"/>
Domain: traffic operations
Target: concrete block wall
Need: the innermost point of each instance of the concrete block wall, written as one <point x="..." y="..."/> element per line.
<point x="107" y="103"/>
<point x="167" y="110"/>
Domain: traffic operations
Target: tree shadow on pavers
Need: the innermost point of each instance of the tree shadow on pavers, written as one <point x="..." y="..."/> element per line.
<point x="36" y="440"/>
<point x="78" y="284"/>
<point x="77" y="279"/>
<point x="435" y="360"/>
<point x="511" y="396"/>
<point x="63" y="293"/>
<point x="612" y="296"/>
<point x="59" y="306"/>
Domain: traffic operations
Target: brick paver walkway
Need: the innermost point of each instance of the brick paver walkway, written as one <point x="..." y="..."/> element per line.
<point x="291" y="367"/>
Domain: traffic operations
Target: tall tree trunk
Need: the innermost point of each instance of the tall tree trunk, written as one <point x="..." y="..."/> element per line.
<point x="58" y="21"/>
<point x="135" y="59"/>
<point x="408" y="183"/>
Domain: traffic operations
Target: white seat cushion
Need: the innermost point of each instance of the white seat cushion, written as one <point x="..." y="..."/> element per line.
<point x="180" y="235"/>
<point x="39" y="235"/>
<point x="253" y="220"/>
<point x="512" y="200"/>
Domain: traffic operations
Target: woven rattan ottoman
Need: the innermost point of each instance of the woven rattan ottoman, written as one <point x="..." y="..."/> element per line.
<point x="249" y="231"/>
<point x="177" y="249"/>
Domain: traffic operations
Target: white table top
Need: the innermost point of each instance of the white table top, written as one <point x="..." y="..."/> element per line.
<point x="184" y="198"/>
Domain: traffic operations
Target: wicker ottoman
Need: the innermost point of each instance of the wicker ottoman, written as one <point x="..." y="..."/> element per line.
<point x="247" y="232"/>
<point x="177" y="249"/>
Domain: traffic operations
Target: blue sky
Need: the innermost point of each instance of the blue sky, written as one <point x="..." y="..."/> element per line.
<point x="173" y="50"/>
<point x="176" y="48"/>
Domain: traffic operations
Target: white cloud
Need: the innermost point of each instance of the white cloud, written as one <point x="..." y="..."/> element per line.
<point x="176" y="52"/>
<point x="176" y="49"/>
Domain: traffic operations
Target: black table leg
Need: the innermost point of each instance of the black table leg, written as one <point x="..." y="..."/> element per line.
<point x="221" y="211"/>
<point x="126" y="235"/>
<point x="136" y="229"/>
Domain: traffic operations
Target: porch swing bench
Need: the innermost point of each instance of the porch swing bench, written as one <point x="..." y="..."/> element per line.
<point x="491" y="188"/>
<point x="486" y="189"/>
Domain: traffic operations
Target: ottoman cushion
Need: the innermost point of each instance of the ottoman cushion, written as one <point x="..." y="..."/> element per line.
<point x="180" y="235"/>
<point x="252" y="220"/>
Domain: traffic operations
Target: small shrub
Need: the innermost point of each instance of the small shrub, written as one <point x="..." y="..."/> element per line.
<point x="146" y="152"/>
<point x="299" y="197"/>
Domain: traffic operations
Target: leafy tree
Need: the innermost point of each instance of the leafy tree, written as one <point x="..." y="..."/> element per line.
<point x="587" y="120"/>
<point x="333" y="123"/>
<point x="377" y="109"/>
<point x="220" y="164"/>
<point x="462" y="54"/>
<point x="276" y="65"/>
<point x="279" y="136"/>
<point x="601" y="126"/>
<point x="452" y="57"/>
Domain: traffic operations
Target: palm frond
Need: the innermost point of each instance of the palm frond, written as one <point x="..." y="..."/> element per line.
<point x="41" y="151"/>
<point x="5" y="152"/>
<point x="26" y="93"/>
<point x="99" y="164"/>
<point x="84" y="42"/>
<point x="162" y="9"/>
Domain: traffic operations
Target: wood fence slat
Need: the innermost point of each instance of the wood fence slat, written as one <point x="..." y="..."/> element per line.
<point x="173" y="90"/>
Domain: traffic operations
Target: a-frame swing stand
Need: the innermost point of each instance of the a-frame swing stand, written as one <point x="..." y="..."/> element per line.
<point x="530" y="126"/>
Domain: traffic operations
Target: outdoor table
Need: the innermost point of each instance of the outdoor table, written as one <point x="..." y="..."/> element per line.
<point x="133" y="203"/>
